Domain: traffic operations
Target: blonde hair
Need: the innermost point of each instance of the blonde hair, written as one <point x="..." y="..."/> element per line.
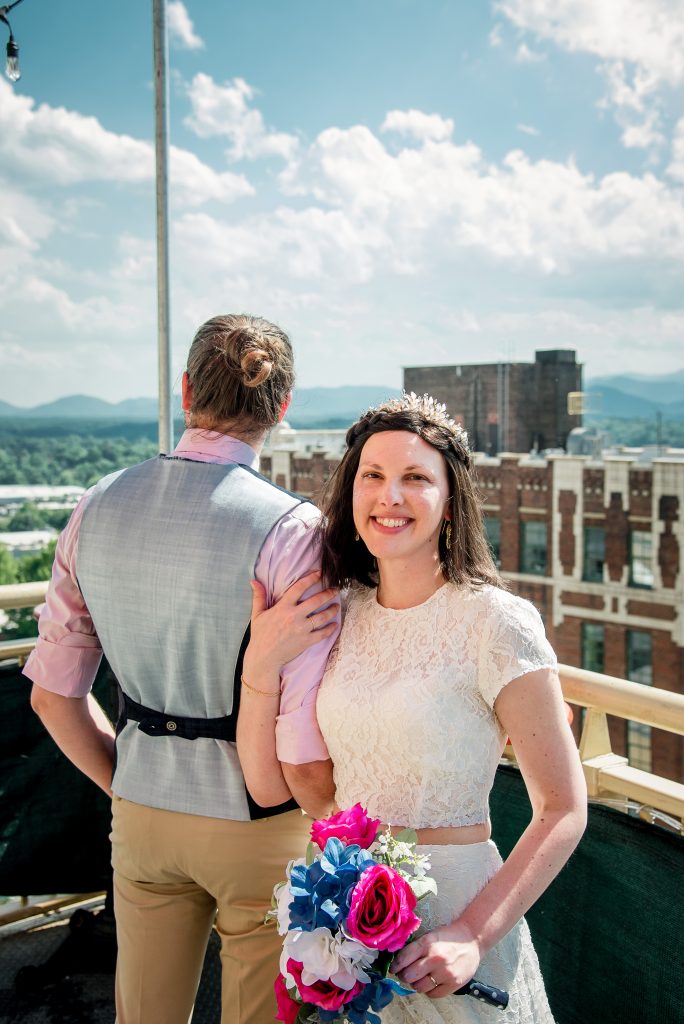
<point x="241" y="369"/>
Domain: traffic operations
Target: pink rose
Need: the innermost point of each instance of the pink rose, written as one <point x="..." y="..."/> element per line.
<point x="287" y="1007"/>
<point x="381" y="913"/>
<point x="323" y="994"/>
<point x="352" y="826"/>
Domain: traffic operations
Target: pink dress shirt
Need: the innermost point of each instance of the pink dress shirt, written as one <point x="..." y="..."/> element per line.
<point x="68" y="652"/>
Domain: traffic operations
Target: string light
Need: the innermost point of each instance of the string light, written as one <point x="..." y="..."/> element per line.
<point x="12" y="69"/>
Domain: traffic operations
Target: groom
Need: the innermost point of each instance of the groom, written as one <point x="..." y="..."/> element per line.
<point x="153" y="568"/>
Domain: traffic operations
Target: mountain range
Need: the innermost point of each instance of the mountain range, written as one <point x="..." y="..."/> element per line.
<point x="624" y="396"/>
<point x="310" y="406"/>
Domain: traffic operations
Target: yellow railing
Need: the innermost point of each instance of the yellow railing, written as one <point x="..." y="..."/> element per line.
<point x="609" y="776"/>
<point x="610" y="779"/>
<point x="20" y="595"/>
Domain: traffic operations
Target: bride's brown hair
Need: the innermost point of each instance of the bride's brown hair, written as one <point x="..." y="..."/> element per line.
<point x="468" y="558"/>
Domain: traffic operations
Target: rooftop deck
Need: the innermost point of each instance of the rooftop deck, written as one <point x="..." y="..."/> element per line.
<point x="608" y="932"/>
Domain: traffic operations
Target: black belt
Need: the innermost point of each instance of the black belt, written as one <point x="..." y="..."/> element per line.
<point x="159" y="723"/>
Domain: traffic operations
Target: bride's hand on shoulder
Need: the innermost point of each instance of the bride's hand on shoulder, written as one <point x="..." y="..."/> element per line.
<point x="439" y="962"/>
<point x="290" y="626"/>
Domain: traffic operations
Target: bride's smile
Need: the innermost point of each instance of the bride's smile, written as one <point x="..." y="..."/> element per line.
<point x="401" y="493"/>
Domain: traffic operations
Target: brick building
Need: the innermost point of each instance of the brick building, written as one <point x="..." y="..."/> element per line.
<point x="597" y="546"/>
<point x="512" y="407"/>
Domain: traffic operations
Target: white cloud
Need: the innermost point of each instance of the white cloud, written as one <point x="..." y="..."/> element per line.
<point x="196" y="183"/>
<point x="224" y="110"/>
<point x="604" y="339"/>
<point x="63" y="147"/>
<point x="440" y="198"/>
<point x="649" y="33"/>
<point x="297" y="245"/>
<point x="635" y="102"/>
<point x="640" y="44"/>
<point x="676" y="166"/>
<point x="180" y="27"/>
<point x="524" y="55"/>
<point x="495" y="37"/>
<point x="24" y="223"/>
<point x="527" y="129"/>
<point x="415" y="124"/>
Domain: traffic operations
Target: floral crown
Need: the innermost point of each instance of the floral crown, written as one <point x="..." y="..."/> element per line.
<point x="431" y="410"/>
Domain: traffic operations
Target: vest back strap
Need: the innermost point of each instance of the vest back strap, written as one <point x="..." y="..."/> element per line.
<point x="159" y="723"/>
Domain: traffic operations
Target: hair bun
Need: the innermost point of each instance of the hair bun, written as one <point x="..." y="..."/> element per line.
<point x="256" y="367"/>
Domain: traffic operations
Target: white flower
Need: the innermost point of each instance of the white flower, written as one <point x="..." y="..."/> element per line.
<point x="283" y="898"/>
<point x="327" y="957"/>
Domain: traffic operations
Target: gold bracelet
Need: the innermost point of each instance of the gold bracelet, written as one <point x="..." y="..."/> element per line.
<point x="262" y="693"/>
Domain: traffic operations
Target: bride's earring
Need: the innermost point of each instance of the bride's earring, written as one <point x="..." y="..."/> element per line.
<point x="446" y="529"/>
<point x="356" y="535"/>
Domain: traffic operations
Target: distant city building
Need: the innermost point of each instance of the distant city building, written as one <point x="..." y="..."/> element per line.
<point x="302" y="460"/>
<point x="597" y="545"/>
<point x="508" y="407"/>
<point x="26" y="542"/>
<point x="14" y="495"/>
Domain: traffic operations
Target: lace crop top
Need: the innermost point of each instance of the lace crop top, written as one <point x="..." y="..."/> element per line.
<point x="406" y="705"/>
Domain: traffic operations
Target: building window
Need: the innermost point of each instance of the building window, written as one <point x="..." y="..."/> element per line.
<point x="594" y="554"/>
<point x="639" y="670"/>
<point x="493" y="531"/>
<point x="639" y="657"/>
<point x="640" y="558"/>
<point x="533" y="548"/>
<point x="593" y="646"/>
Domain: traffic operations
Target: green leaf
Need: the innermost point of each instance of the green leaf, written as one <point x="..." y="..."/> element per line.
<point x="311" y="852"/>
<point x="407" y="835"/>
<point x="382" y="963"/>
<point x="422" y="886"/>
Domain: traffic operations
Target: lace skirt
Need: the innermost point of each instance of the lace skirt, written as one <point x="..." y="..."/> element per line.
<point x="461" y="872"/>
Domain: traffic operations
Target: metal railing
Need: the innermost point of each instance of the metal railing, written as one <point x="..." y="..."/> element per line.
<point x="610" y="778"/>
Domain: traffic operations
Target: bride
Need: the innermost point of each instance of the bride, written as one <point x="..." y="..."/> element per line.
<point x="435" y="665"/>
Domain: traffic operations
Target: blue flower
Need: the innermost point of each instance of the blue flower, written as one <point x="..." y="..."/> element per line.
<point x="375" y="996"/>
<point x="321" y="892"/>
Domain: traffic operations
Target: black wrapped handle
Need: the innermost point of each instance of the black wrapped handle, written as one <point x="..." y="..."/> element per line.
<point x="485" y="993"/>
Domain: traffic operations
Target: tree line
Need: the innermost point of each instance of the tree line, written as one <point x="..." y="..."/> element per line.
<point x="72" y="460"/>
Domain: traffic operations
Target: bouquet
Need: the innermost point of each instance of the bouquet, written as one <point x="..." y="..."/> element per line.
<point x="345" y="910"/>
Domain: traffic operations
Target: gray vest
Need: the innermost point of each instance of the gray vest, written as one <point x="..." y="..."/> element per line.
<point x="166" y="550"/>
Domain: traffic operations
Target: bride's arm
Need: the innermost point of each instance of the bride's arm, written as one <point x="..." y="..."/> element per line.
<point x="279" y="635"/>
<point x="532" y="712"/>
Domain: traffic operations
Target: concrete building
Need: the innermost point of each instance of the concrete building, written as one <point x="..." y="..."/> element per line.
<point x="513" y="407"/>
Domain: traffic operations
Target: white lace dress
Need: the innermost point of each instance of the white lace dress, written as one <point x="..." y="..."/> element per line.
<point x="406" y="709"/>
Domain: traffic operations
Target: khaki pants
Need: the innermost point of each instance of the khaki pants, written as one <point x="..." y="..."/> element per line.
<point x="175" y="875"/>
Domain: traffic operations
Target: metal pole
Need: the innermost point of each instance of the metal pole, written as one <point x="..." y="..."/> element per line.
<point x="161" y="132"/>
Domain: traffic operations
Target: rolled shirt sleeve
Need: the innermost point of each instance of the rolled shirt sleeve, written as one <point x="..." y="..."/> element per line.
<point x="67" y="654"/>
<point x="291" y="551"/>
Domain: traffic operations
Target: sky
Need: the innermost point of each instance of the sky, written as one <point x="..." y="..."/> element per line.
<point x="395" y="182"/>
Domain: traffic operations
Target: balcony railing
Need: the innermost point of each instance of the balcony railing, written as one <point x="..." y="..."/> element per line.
<point x="610" y="778"/>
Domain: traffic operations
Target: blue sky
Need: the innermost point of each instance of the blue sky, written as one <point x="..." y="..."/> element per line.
<point x="396" y="182"/>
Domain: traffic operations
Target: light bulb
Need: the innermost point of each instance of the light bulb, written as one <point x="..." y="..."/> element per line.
<point x="12" y="69"/>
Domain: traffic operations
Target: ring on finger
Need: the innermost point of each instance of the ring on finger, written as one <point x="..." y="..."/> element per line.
<point x="435" y="984"/>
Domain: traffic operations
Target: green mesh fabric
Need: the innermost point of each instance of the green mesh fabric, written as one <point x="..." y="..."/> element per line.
<point x="54" y="823"/>
<point x="608" y="932"/>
